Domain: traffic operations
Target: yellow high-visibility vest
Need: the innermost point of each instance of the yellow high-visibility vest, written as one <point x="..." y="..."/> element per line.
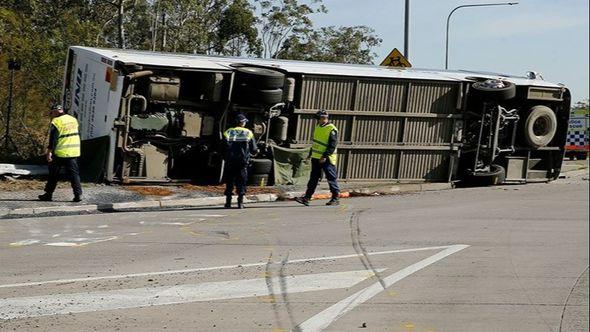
<point x="68" y="141"/>
<point x="238" y="134"/>
<point x="321" y="136"/>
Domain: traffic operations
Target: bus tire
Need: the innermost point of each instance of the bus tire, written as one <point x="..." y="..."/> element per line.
<point x="260" y="78"/>
<point x="269" y="97"/>
<point x="258" y="180"/>
<point x="540" y="126"/>
<point x="261" y="166"/>
<point x="495" y="176"/>
<point x="582" y="156"/>
<point x="494" y="90"/>
<point x="249" y="95"/>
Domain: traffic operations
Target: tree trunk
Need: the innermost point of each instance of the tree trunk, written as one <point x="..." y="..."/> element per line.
<point x="164" y="31"/>
<point x="121" y="28"/>
<point x="155" y="26"/>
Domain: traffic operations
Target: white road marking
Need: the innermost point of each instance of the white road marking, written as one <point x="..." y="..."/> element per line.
<point x="63" y="244"/>
<point x="80" y="242"/>
<point x="225" y="267"/>
<point x="177" y="223"/>
<point x="331" y="314"/>
<point x="24" y="242"/>
<point x="207" y="215"/>
<point x="35" y="306"/>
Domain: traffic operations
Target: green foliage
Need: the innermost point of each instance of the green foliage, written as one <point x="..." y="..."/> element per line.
<point x="331" y="44"/>
<point x="283" y="19"/>
<point x="39" y="32"/>
<point x="237" y="31"/>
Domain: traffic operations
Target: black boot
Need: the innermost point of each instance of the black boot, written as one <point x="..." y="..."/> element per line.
<point x="45" y="197"/>
<point x="227" y="202"/>
<point x="241" y="202"/>
<point x="334" y="201"/>
<point x="302" y="200"/>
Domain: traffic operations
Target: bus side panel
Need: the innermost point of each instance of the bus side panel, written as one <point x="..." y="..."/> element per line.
<point x="389" y="129"/>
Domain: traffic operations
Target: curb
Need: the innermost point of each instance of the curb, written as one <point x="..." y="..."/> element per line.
<point x="376" y="190"/>
<point x="130" y="206"/>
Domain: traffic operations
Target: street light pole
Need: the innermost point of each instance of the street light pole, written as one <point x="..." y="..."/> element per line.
<point x="407" y="30"/>
<point x="463" y="6"/>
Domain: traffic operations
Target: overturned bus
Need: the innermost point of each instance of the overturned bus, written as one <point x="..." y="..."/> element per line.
<point x="147" y="116"/>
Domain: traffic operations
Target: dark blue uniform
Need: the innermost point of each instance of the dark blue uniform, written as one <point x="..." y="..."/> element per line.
<point x="239" y="146"/>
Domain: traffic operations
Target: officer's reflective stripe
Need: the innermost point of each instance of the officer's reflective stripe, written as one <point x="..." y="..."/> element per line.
<point x="317" y="151"/>
<point x="66" y="146"/>
<point x="320" y="143"/>
<point x="68" y="135"/>
<point x="238" y="135"/>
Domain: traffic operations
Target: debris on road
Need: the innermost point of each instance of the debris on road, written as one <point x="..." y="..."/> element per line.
<point x="149" y="190"/>
<point x="15" y="169"/>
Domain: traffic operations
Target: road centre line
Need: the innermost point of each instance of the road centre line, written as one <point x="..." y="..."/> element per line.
<point x="323" y="319"/>
<point x="59" y="304"/>
<point x="146" y="274"/>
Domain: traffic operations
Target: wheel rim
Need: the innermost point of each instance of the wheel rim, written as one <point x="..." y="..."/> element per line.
<point x="541" y="126"/>
<point x="493" y="84"/>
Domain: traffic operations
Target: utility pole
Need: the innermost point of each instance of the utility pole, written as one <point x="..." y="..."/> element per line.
<point x="407" y="31"/>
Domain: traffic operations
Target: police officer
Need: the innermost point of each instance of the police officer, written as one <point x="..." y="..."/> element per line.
<point x="239" y="146"/>
<point x="63" y="151"/>
<point x="323" y="159"/>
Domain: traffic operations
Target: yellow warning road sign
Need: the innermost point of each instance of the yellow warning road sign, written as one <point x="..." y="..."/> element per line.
<point x="396" y="59"/>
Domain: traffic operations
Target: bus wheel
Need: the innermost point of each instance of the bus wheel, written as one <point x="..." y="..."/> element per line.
<point x="261" y="166"/>
<point x="540" y="126"/>
<point x="495" y="176"/>
<point x="260" y="78"/>
<point x="249" y="95"/>
<point x="494" y="90"/>
<point x="258" y="180"/>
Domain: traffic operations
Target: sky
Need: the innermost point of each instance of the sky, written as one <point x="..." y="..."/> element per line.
<point x="546" y="36"/>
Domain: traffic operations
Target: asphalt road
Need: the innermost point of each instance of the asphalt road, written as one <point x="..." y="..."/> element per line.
<point x="510" y="258"/>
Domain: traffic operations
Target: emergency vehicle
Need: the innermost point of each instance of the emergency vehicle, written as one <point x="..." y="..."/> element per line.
<point x="577" y="145"/>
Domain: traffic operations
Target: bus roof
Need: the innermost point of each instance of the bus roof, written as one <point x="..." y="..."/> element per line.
<point x="221" y="63"/>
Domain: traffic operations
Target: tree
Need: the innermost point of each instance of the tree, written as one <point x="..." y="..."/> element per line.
<point x="38" y="32"/>
<point x="237" y="32"/>
<point x="331" y="44"/>
<point x="124" y="23"/>
<point x="280" y="20"/>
